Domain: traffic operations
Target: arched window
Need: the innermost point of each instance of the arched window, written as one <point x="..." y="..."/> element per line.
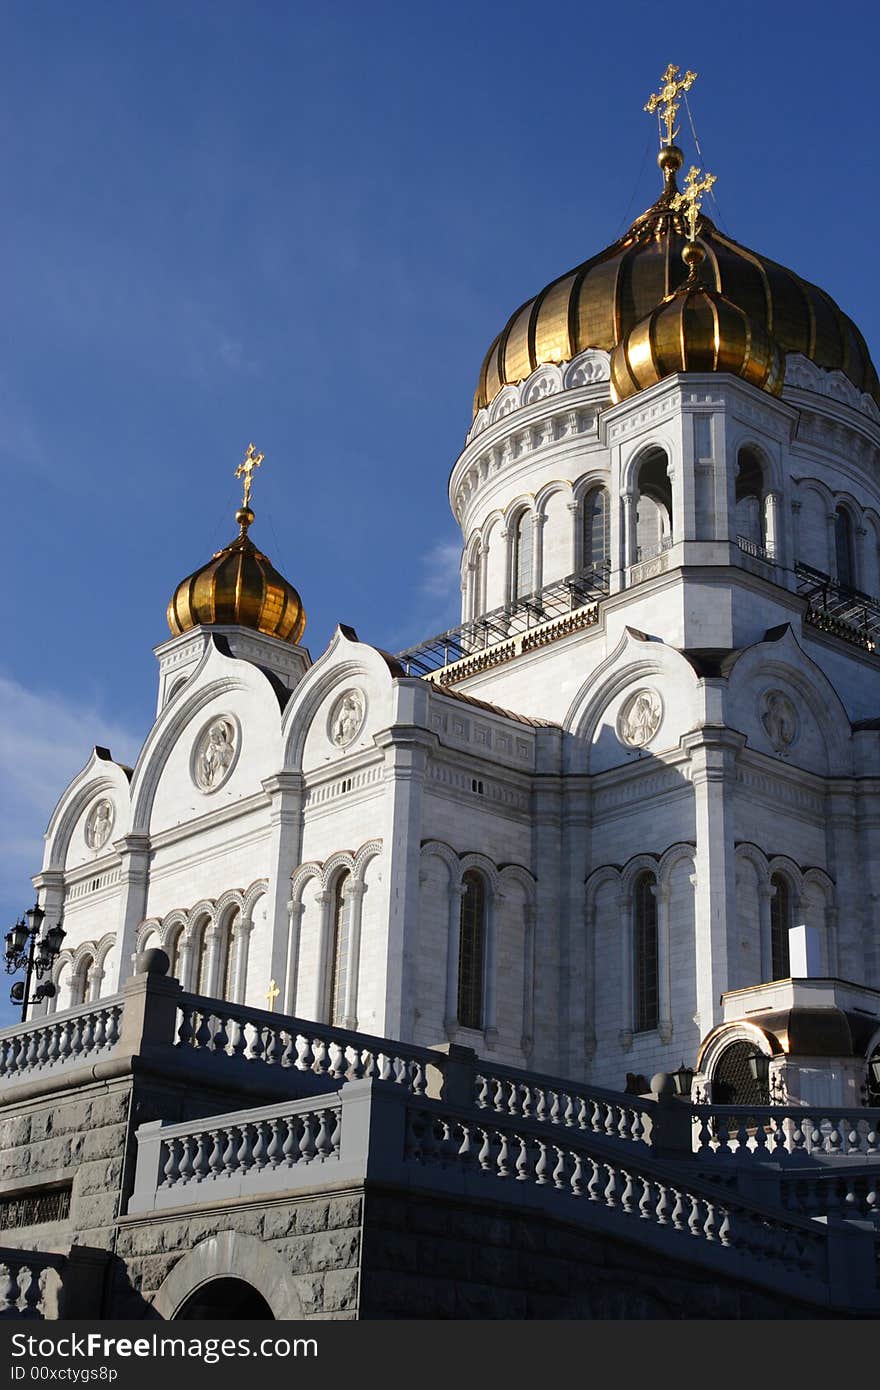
<point x="654" y="507"/>
<point x="225" y="975"/>
<point x="201" y="983"/>
<point x="79" y="984"/>
<point x="646" y="984"/>
<point x="750" y="497"/>
<point x="843" y="548"/>
<point x="472" y="950"/>
<point x="523" y="546"/>
<point x="476" y="577"/>
<point x="339" y="950"/>
<point x="780" y="924"/>
<point x="173" y="951"/>
<point x="596" y="529"/>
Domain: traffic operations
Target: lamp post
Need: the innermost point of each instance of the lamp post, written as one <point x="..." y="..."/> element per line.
<point x="683" y="1080"/>
<point x="27" y="949"/>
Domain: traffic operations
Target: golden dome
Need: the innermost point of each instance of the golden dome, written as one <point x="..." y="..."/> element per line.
<point x="599" y="303"/>
<point x="696" y="329"/>
<point x="238" y="588"/>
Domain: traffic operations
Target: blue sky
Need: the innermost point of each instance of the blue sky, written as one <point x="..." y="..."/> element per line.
<point x="303" y="224"/>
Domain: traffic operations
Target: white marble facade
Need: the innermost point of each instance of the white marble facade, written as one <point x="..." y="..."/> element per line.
<point x="689" y="751"/>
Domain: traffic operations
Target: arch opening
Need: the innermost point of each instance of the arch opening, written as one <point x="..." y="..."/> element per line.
<point x="654" y="505"/>
<point x="226" y="1298"/>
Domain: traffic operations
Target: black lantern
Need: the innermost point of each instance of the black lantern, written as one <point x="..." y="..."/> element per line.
<point x="27" y="950"/>
<point x="875" y="1069"/>
<point x="759" y="1066"/>
<point x="683" y="1080"/>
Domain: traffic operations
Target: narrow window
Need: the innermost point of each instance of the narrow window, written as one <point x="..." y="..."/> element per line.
<point x="645" y="954"/>
<point x="471" y="951"/>
<point x="522" y="556"/>
<point x="228" y="962"/>
<point x="200" y="964"/>
<point x="843" y="548"/>
<point x="339" y="951"/>
<point x="597" y="522"/>
<point x="780" y="924"/>
<point x="79" y="989"/>
<point x="173" y="949"/>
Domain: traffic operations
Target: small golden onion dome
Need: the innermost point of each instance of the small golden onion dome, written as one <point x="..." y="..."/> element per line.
<point x="597" y="304"/>
<point x="238" y="587"/>
<point x="696" y="329"/>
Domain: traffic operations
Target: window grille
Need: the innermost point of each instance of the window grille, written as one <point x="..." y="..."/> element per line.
<point x="34" y="1209"/>
<point x="597" y="529"/>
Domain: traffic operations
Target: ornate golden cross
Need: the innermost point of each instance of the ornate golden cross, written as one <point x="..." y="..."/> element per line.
<point x="272" y="994"/>
<point x="250" y="461"/>
<point x="665" y="98"/>
<point x="690" y="199"/>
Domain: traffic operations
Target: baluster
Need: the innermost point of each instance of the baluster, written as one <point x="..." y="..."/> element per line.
<point x="54" y="1051"/>
<point x="677" y="1217"/>
<point x="215" y="1162"/>
<point x="202" y="1037"/>
<point x="386" y="1068"/>
<point x="74" y="1046"/>
<point x="851" y="1203"/>
<point x="290" y="1147"/>
<point x="273" y="1152"/>
<point x="185" y="1171"/>
<point x="482" y="1087"/>
<point x="258" y="1158"/>
<point x="466" y="1147"/>
<point x="528" y="1102"/>
<point x="220" y="1041"/>
<point x="541" y="1108"/>
<point x="513" y="1101"/>
<point x="611" y="1193"/>
<point x="201" y="1167"/>
<point x="559" y="1172"/>
<point x="834" y="1140"/>
<point x="724" y="1230"/>
<point x="171" y="1167"/>
<point x="32" y="1283"/>
<point x="742" y="1137"/>
<point x="610" y="1120"/>
<point x="498" y="1094"/>
<point x="371" y="1069"/>
<point x="646" y="1199"/>
<point x="412" y="1143"/>
<point x="577" y="1177"/>
<point x="32" y="1048"/>
<point x="356" y="1068"/>
<point x="582" y="1121"/>
<point x="430" y="1145"/>
<point x="274" y="1049"/>
<point x="308" y="1146"/>
<point x="419" y="1078"/>
<point x="569" y="1109"/>
<point x="100" y="1030"/>
<point x="8" y="1289"/>
<point x="288" y="1052"/>
<point x="695" y="1216"/>
<point x="542" y="1167"/>
<point x="485" y="1157"/>
<point x="88" y="1032"/>
<point x="257" y="1047"/>
<point x="503" y="1157"/>
<point x="245" y="1155"/>
<point x="663" y="1209"/>
<point x="43" y="1048"/>
<point x="338" y="1062"/>
<point x="627" y="1200"/>
<point x="185" y="1032"/>
<point x="622" y="1122"/>
<point x="230" y="1153"/>
<point x="320" y="1064"/>
<point x="594" y="1186"/>
<point x="336" y="1136"/>
<point x="555" y="1109"/>
<point x="872" y="1138"/>
<point x="114" y="1018"/>
<point x="523" y="1160"/>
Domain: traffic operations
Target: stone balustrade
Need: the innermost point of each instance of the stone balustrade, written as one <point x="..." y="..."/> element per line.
<point x="61" y="1040"/>
<point x="784" y="1132"/>
<point x="248" y="1153"/>
<point x="833" y="1193"/>
<point x="29" y="1284"/>
<point x="220" y="1029"/>
<point x="551" y="1100"/>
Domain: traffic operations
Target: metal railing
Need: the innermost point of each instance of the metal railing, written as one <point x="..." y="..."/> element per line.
<point x="553" y="601"/>
<point x="836" y="608"/>
<point x="755" y="549"/>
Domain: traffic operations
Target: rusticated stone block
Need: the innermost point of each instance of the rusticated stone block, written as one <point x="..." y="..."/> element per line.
<point x="279" y="1222"/>
<point x="312" y="1216"/>
<point x="106" y="1142"/>
<point x="428" y="1219"/>
<point x="344" y="1211"/>
<point x="310" y="1288"/>
<point x="101" y="1175"/>
<point x="14" y="1130"/>
<point x="97" y="1210"/>
<point x="340" y="1290"/>
<point x="394" y="1250"/>
<point x="109" y="1109"/>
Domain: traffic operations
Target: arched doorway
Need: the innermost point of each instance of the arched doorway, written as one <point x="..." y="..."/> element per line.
<point x="225" y="1298"/>
<point x="732" y="1080"/>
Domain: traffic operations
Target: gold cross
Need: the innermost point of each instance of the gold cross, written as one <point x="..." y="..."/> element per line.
<point x="250" y="461"/>
<point x="665" y="98"/>
<point x="272" y="994"/>
<point x="690" y="199"/>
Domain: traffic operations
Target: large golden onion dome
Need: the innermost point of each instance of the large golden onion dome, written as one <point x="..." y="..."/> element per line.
<point x="238" y="587"/>
<point x="600" y="302"/>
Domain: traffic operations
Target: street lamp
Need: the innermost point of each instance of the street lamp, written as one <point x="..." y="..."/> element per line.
<point x="759" y="1066"/>
<point x="27" y="949"/>
<point x="683" y="1080"/>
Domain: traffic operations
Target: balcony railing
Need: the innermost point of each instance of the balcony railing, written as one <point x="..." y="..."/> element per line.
<point x="553" y="601"/>
<point x="836" y="608"/>
<point x="755" y="549"/>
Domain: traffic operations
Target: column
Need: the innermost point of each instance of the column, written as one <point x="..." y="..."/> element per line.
<point x="134" y="877"/>
<point x="354" y="901"/>
<point x="406" y="748"/>
<point x="664" y="984"/>
<point x="294" y="926"/>
<point x="629" y="523"/>
<point x="490" y="984"/>
<point x="240" y="944"/>
<point x="285" y="792"/>
<point x="766" y="893"/>
<point x="772" y="537"/>
<point x="538" y="523"/>
<point x="214" y="939"/>
<point x="50" y="895"/>
<point x="713" y="751"/>
<point x="321" y="984"/>
<point x="576" y="560"/>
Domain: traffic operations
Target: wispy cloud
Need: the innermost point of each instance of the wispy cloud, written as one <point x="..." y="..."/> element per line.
<point x="45" y="739"/>
<point x="436" y="597"/>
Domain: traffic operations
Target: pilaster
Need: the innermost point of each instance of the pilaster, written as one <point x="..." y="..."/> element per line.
<point x="134" y="879"/>
<point x="285" y="792"/>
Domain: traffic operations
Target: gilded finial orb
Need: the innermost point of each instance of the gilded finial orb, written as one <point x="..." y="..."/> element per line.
<point x="693" y="256"/>
<point x="244" y="516"/>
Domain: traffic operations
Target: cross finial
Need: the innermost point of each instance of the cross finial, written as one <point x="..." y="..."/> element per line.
<point x="272" y="994"/>
<point x="671" y="86"/>
<point x="690" y="199"/>
<point x="245" y="469"/>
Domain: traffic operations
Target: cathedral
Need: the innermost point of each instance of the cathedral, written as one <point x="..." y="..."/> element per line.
<point x="625" y="817"/>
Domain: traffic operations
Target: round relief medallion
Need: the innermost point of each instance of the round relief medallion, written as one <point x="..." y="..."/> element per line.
<point x="99" y="824"/>
<point x="639" y="718"/>
<point x="346" y="718"/>
<point x="779" y="718"/>
<point x="215" y="753"/>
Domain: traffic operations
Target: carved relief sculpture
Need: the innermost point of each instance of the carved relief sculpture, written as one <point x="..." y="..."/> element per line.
<point x="214" y="754"/>
<point x="779" y="719"/>
<point x="346" y="718"/>
<point x="99" y="824"/>
<point x="639" y="719"/>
